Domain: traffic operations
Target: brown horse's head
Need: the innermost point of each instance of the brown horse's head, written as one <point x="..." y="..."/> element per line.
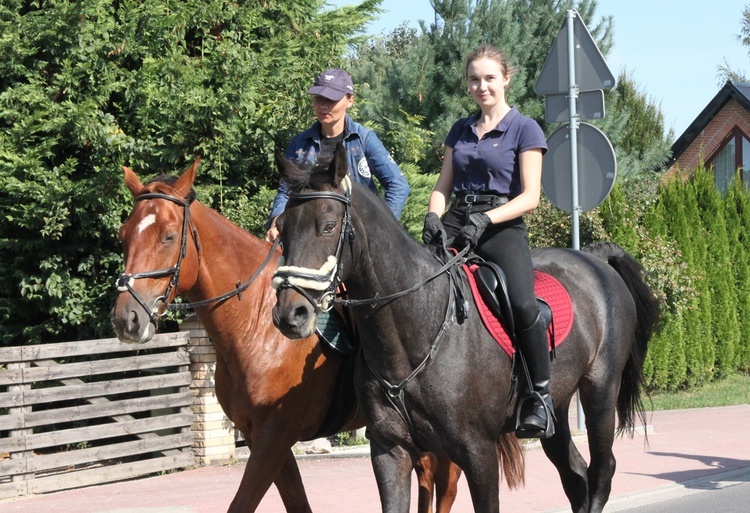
<point x="312" y="230"/>
<point x="160" y="253"/>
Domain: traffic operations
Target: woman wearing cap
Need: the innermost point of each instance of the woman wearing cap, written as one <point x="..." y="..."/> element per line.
<point x="333" y="94"/>
<point x="493" y="163"/>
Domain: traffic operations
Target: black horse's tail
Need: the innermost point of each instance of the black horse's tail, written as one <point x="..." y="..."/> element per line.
<point x="629" y="401"/>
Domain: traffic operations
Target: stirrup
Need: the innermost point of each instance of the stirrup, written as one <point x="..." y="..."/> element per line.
<point x="549" y="429"/>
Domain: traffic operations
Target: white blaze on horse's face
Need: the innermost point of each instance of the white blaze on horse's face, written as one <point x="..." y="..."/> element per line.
<point x="146" y="222"/>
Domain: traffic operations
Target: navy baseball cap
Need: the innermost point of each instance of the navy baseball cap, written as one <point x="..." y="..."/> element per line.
<point x="333" y="84"/>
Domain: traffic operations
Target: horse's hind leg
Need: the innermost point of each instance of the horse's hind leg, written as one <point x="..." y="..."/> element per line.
<point x="571" y="466"/>
<point x="446" y="485"/>
<point x="425" y="469"/>
<point x="600" y="427"/>
<point x="438" y="474"/>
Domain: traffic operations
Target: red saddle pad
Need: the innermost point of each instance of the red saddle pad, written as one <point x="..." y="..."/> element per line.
<point x="547" y="288"/>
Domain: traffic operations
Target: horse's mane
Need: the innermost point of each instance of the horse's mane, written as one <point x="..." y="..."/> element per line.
<point x="170" y="181"/>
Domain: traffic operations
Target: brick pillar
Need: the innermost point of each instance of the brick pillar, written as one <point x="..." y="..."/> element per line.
<point x="214" y="441"/>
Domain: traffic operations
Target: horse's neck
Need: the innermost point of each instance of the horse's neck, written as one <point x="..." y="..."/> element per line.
<point x="229" y="257"/>
<point x="391" y="262"/>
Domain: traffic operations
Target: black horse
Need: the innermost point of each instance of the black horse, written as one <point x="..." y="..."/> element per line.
<point x="435" y="382"/>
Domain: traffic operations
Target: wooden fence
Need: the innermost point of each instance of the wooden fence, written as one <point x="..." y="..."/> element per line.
<point x="83" y="413"/>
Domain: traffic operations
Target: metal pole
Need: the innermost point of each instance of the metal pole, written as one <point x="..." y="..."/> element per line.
<point x="573" y="126"/>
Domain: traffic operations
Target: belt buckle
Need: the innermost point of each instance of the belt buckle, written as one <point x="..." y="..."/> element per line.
<point x="470" y="198"/>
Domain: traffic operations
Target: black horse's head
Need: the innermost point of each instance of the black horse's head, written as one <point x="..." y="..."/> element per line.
<point x="313" y="229"/>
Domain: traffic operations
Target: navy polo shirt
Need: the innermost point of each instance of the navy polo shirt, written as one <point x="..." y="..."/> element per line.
<point x="491" y="164"/>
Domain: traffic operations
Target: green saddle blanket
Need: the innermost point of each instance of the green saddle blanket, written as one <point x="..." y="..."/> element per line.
<point x="333" y="331"/>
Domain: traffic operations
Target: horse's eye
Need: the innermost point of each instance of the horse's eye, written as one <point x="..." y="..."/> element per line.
<point x="170" y="237"/>
<point x="329" y="227"/>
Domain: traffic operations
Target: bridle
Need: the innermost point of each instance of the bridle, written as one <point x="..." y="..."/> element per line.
<point x="327" y="278"/>
<point x="125" y="281"/>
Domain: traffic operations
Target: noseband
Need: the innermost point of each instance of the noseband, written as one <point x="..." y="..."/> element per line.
<point x="125" y="281"/>
<point x="328" y="277"/>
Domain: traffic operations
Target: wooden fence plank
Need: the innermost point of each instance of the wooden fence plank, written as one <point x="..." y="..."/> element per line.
<point x="91" y="433"/>
<point x="41" y="463"/>
<point x="11" y="354"/>
<point x="109" y="474"/>
<point x="13" y="489"/>
<point x="107" y="388"/>
<point x="11" y="421"/>
<point x="43" y="372"/>
<point x="11" y="376"/>
<point x="94" y="411"/>
<point x="103" y="346"/>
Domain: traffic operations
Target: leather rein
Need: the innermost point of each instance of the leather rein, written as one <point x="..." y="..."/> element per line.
<point x="125" y="281"/>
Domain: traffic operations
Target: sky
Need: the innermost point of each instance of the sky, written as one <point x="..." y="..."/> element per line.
<point x="672" y="50"/>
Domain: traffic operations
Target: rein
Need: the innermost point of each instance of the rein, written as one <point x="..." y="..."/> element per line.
<point x="125" y="281"/>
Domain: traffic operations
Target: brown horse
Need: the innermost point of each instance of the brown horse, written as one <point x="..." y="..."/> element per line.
<point x="276" y="391"/>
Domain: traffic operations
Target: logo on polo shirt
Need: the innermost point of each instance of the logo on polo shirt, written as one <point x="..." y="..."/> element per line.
<point x="363" y="169"/>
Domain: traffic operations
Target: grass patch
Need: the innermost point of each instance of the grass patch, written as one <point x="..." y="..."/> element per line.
<point x="729" y="391"/>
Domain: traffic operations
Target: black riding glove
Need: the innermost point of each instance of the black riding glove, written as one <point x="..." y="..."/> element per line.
<point x="433" y="231"/>
<point x="471" y="232"/>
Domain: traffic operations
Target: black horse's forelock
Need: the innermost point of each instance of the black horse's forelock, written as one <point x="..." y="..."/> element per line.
<point x="170" y="180"/>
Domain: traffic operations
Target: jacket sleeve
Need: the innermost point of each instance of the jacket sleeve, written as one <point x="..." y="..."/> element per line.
<point x="282" y="193"/>
<point x="279" y="202"/>
<point x="388" y="174"/>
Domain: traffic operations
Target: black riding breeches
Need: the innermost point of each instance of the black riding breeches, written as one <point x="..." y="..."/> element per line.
<point x="507" y="245"/>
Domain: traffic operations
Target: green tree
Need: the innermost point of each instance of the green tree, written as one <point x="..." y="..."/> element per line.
<point x="86" y="87"/>
<point x="718" y="266"/>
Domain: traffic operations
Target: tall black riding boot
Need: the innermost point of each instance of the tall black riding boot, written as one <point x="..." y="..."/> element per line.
<point x="535" y="412"/>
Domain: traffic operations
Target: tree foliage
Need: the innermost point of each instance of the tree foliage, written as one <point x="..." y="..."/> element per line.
<point x="86" y="87"/>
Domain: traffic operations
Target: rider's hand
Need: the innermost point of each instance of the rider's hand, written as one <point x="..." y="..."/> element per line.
<point x="471" y="232"/>
<point x="433" y="231"/>
<point x="272" y="232"/>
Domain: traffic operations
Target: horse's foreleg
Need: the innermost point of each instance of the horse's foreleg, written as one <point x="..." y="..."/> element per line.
<point x="289" y="483"/>
<point x="267" y="465"/>
<point x="571" y="466"/>
<point x="480" y="464"/>
<point x="392" y="468"/>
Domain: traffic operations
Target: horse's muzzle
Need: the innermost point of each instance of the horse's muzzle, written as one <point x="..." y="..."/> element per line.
<point x="294" y="320"/>
<point x="131" y="322"/>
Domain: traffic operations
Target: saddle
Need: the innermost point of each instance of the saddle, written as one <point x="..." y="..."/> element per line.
<point x="489" y="289"/>
<point x="493" y="287"/>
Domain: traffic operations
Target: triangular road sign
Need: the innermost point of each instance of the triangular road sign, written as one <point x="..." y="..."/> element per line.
<point x="591" y="69"/>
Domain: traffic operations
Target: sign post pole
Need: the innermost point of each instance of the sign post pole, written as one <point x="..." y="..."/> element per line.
<point x="573" y="126"/>
<point x="588" y="77"/>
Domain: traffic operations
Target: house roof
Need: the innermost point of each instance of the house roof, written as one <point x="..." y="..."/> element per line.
<point x="739" y="91"/>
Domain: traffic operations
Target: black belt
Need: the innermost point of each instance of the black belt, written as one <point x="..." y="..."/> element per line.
<point x="471" y="198"/>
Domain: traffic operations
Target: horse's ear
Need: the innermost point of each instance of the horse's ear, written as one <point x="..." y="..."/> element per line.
<point x="185" y="182"/>
<point x="132" y="182"/>
<point x="339" y="165"/>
